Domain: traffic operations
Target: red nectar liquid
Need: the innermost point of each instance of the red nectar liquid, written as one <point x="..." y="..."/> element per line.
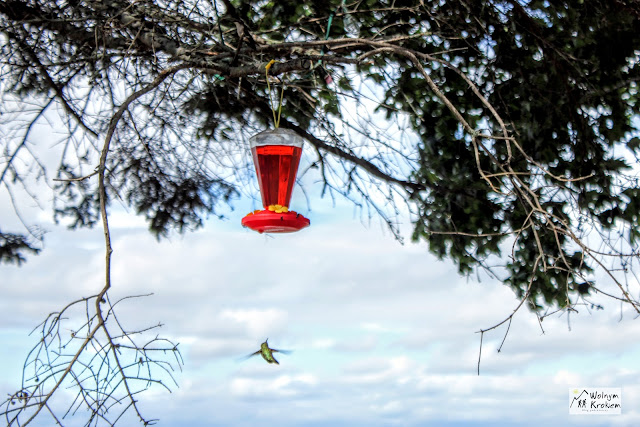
<point x="277" y="166"/>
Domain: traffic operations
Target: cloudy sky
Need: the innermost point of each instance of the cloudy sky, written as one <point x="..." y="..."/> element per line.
<point x="382" y="333"/>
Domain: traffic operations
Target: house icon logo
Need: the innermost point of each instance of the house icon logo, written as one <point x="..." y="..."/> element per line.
<point x="595" y="401"/>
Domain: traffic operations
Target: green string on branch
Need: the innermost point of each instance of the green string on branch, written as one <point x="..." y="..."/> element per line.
<point x="276" y="121"/>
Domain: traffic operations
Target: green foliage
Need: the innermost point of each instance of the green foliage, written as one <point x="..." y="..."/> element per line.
<point x="560" y="75"/>
<point x="169" y="202"/>
<point x="563" y="76"/>
<point x="13" y="248"/>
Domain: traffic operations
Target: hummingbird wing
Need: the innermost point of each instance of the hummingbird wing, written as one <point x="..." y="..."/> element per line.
<point x="282" y="351"/>
<point x="249" y="355"/>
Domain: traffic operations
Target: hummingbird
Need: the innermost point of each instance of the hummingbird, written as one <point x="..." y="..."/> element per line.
<point x="267" y="353"/>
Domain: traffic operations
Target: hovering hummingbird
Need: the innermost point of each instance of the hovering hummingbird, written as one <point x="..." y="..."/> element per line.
<point x="267" y="353"/>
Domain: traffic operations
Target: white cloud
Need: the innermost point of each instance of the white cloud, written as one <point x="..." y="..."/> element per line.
<point x="282" y="386"/>
<point x="382" y="334"/>
<point x="257" y="322"/>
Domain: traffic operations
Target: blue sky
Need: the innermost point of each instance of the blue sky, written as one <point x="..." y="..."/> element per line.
<point x="382" y="334"/>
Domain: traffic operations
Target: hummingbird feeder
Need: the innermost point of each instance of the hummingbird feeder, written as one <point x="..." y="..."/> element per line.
<point x="276" y="156"/>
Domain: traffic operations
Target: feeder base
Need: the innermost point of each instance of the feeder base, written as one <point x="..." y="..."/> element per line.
<point x="270" y="222"/>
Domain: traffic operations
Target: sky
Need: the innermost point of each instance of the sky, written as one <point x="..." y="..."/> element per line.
<point x="382" y="334"/>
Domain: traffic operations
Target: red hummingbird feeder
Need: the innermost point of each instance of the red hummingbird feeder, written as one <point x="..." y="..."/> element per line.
<point x="276" y="155"/>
